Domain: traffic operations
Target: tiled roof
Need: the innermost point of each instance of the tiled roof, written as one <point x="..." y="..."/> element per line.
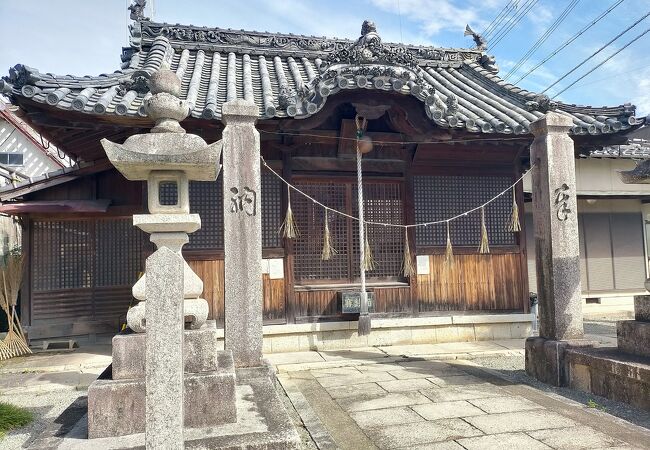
<point x="634" y="149"/>
<point x="292" y="76"/>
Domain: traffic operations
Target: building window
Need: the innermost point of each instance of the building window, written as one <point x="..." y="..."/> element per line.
<point x="11" y="159"/>
<point x="383" y="203"/>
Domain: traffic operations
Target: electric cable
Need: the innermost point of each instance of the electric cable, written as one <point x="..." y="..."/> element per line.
<point x="571" y="39"/>
<point x="596" y="52"/>
<point x="516" y="19"/>
<point x="604" y="61"/>
<point x="565" y="13"/>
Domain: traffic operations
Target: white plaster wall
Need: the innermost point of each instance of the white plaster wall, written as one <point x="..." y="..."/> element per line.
<point x="35" y="162"/>
<point x="600" y="177"/>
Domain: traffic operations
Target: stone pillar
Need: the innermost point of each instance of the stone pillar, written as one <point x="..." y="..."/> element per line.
<point x="164" y="350"/>
<point x="242" y="233"/>
<point x="557" y="250"/>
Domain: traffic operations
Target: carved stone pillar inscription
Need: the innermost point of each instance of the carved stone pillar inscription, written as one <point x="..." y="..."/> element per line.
<point x="556" y="229"/>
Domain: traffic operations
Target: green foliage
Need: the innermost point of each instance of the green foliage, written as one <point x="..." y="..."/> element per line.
<point x="13" y="417"/>
<point x="592" y="404"/>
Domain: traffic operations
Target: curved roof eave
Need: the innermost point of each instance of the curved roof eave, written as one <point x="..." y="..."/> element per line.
<point x="290" y="76"/>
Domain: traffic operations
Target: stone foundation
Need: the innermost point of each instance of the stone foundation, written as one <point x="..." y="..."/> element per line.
<point x="116" y="400"/>
<point x="611" y="374"/>
<point x="404" y="331"/>
<point x="633" y="337"/>
<point x="546" y="359"/>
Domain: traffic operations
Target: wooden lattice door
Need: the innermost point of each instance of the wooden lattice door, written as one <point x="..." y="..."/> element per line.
<point x="383" y="203"/>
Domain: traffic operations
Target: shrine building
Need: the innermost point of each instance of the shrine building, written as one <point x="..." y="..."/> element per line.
<point x="447" y="135"/>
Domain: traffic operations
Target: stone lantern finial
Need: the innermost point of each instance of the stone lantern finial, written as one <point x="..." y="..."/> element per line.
<point x="164" y="106"/>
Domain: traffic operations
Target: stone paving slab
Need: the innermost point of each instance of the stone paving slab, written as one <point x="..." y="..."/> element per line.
<point x="455" y="380"/>
<point x="414" y="384"/>
<point x="448" y="394"/>
<point x="367" y="402"/>
<point x="384" y="417"/>
<point x="357" y="353"/>
<point x="293" y="358"/>
<point x="449" y="445"/>
<point x="519" y="421"/>
<point x="505" y="441"/>
<point x="355" y="390"/>
<point x="358" y="378"/>
<point x="580" y="437"/>
<point x="494" y="405"/>
<point x="407" y="435"/>
<point x="447" y="410"/>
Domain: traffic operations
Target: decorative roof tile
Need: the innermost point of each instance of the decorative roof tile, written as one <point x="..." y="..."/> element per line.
<point x="292" y="76"/>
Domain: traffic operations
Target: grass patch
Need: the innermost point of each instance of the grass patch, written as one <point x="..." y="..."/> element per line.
<point x="12" y="417"/>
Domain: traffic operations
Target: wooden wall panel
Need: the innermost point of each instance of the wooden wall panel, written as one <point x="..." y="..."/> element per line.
<point x="319" y="303"/>
<point x="474" y="282"/>
<point x="274" y="298"/>
<point x="212" y="274"/>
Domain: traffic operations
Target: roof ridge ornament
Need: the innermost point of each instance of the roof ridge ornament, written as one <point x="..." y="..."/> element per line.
<point x="368" y="49"/>
<point x="137" y="10"/>
<point x="481" y="43"/>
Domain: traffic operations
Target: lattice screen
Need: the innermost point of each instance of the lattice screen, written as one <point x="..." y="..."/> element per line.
<point x="310" y="220"/>
<point x="119" y="252"/>
<point x="206" y="199"/>
<point x="272" y="210"/>
<point x="383" y="202"/>
<point x="69" y="254"/>
<point x="440" y="197"/>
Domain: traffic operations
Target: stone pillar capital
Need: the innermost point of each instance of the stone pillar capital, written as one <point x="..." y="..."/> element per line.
<point x="239" y="112"/>
<point x="551" y="123"/>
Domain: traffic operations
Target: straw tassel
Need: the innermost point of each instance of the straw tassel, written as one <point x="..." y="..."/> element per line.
<point x="328" y="248"/>
<point x="515" y="224"/>
<point x="449" y="252"/>
<point x="369" y="262"/>
<point x="289" y="229"/>
<point x="408" y="269"/>
<point x="484" y="247"/>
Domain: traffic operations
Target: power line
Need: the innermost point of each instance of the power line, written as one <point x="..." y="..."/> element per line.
<point x="543" y="38"/>
<point x="573" y="38"/>
<point x="605" y="60"/>
<point x="512" y="4"/>
<point x="596" y="52"/>
<point x="514" y="21"/>
<point x="620" y="75"/>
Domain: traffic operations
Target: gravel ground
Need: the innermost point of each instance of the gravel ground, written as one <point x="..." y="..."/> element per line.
<point x="46" y="407"/>
<point x="512" y="367"/>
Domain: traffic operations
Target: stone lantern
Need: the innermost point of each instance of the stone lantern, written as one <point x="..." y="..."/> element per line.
<point x="167" y="158"/>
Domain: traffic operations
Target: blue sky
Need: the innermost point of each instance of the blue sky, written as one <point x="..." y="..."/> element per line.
<point x="85" y="36"/>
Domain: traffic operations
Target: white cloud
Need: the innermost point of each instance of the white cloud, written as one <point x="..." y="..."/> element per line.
<point x="435" y="16"/>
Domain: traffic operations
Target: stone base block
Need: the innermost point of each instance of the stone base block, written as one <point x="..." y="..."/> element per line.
<point x="610" y="373"/>
<point x="262" y="423"/>
<point x="201" y="353"/>
<point x="633" y="337"/>
<point x="642" y="308"/>
<point x="546" y="358"/>
<point x="117" y="407"/>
